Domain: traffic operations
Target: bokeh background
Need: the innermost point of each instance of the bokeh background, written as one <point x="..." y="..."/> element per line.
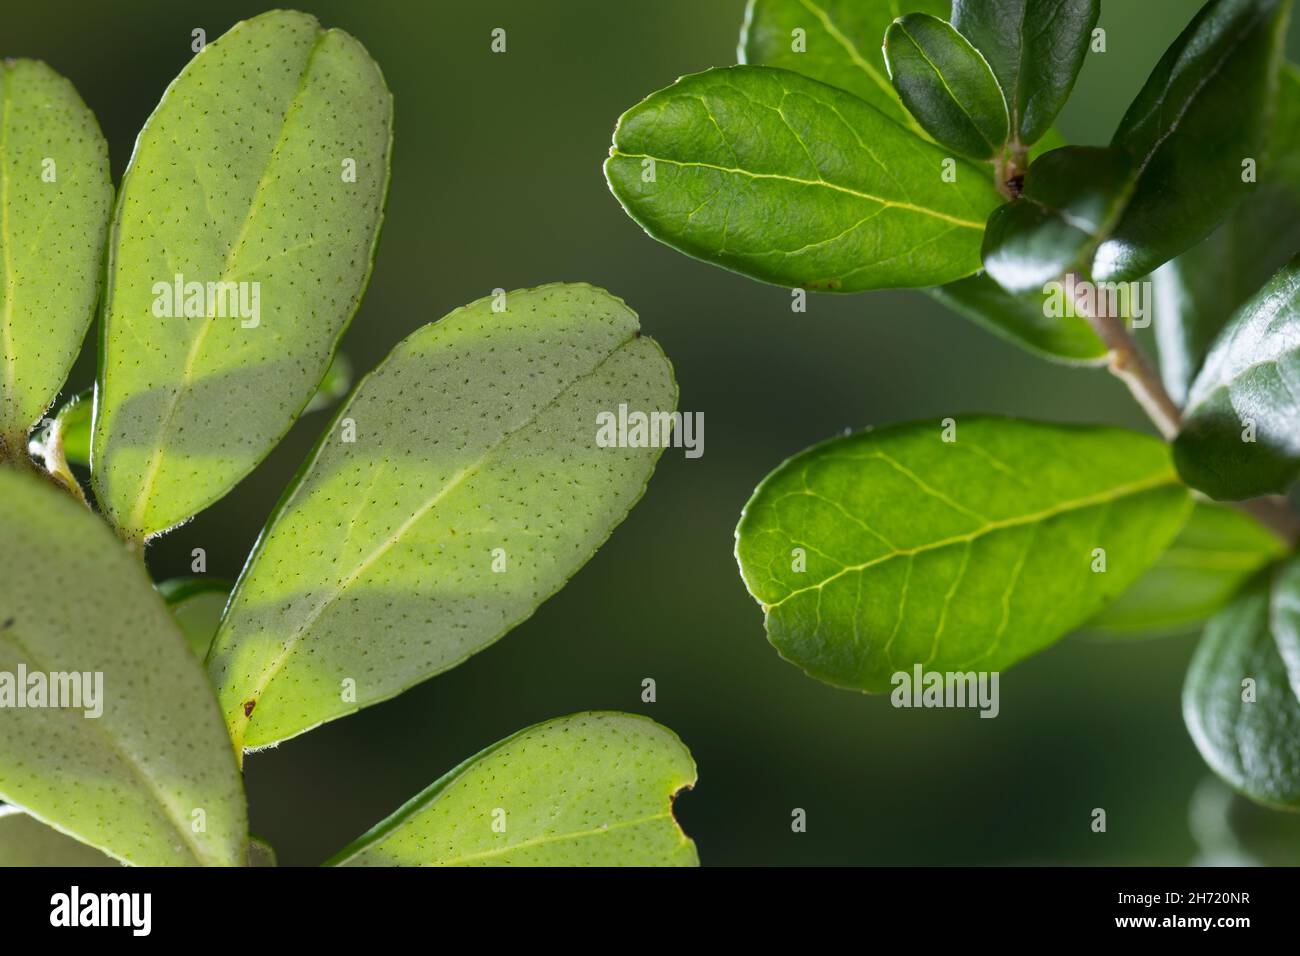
<point x="497" y="183"/>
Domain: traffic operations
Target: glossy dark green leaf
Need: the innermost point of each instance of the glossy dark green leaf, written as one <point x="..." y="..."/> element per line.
<point x="461" y="485"/>
<point x="1035" y="48"/>
<point x="262" y="171"/>
<point x="1241" y="431"/>
<point x="1072" y="198"/>
<point x="892" y="548"/>
<point x="196" y="603"/>
<point x="1239" y="705"/>
<point x="142" y="769"/>
<point x="26" y="841"/>
<point x="835" y="41"/>
<point x="1028" y="320"/>
<point x="1216" y="553"/>
<point x="945" y="83"/>
<point x="1196" y="293"/>
<point x="1204" y="112"/>
<point x="593" y="789"/>
<point x="55" y="196"/>
<point x="797" y="183"/>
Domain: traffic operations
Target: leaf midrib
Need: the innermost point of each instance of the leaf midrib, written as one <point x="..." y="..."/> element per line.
<point x="155" y="462"/>
<point x="990" y="527"/>
<point x="128" y="759"/>
<point x="735" y="170"/>
<point x="299" y="633"/>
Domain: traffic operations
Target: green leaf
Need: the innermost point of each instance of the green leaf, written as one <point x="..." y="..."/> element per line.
<point x="1216" y="553"/>
<point x="894" y="547"/>
<point x="794" y="182"/>
<point x="593" y="789"/>
<point x="196" y="603"/>
<point x="1240" y="709"/>
<point x="474" y="489"/>
<point x="1035" y="48"/>
<point x="55" y="195"/>
<point x="1072" y="198"/>
<point x="1241" y="430"/>
<point x="1027" y="320"/>
<point x="129" y="781"/>
<point x="1203" y="112"/>
<point x="839" y="43"/>
<point x="260" y="853"/>
<point x="1196" y="293"/>
<point x="946" y="85"/>
<point x="25" y="841"/>
<point x="241" y="175"/>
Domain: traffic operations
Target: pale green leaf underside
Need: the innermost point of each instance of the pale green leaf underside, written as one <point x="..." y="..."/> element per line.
<point x="55" y="196"/>
<point x="790" y="181"/>
<point x="842" y="44"/>
<point x="72" y="599"/>
<point x="239" y="176"/>
<point x="196" y="604"/>
<point x="593" y="789"/>
<point x="965" y="555"/>
<point x="26" y="841"/>
<point x="1218" y="550"/>
<point x="1253" y="743"/>
<point x="475" y="446"/>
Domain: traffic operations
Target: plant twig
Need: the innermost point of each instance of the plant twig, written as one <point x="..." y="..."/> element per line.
<point x="1130" y="365"/>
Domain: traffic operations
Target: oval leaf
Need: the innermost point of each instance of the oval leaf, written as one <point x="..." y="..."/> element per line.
<point x="243" y="179"/>
<point x="835" y="41"/>
<point x="1216" y="553"/>
<point x="1072" y="198"/>
<point x="55" y="196"/>
<point x="892" y="548"/>
<point x="794" y="182"/>
<point x="474" y="488"/>
<point x="26" y="841"/>
<point x="594" y="789"/>
<point x="1239" y="707"/>
<point x="1241" y="432"/>
<point x="1197" y="293"/>
<point x="946" y="85"/>
<point x="127" y="770"/>
<point x="1202" y="113"/>
<point x="1035" y="48"/>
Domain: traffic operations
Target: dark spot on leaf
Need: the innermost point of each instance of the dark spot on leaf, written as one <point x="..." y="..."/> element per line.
<point x="248" y="707"/>
<point x="9" y="622"/>
<point x="1017" y="185"/>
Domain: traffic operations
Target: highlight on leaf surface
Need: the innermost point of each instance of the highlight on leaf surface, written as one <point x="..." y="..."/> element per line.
<point x="1204" y="110"/>
<point x="593" y="789"/>
<point x="1241" y="429"/>
<point x="236" y="262"/>
<point x="790" y="181"/>
<point x="947" y="85"/>
<point x="55" y="196"/>
<point x="439" y="509"/>
<point x="961" y="546"/>
<point x="1240" y="698"/>
<point x="135" y="751"/>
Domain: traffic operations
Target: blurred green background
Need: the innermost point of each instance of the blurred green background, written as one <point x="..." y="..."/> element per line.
<point x="497" y="183"/>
